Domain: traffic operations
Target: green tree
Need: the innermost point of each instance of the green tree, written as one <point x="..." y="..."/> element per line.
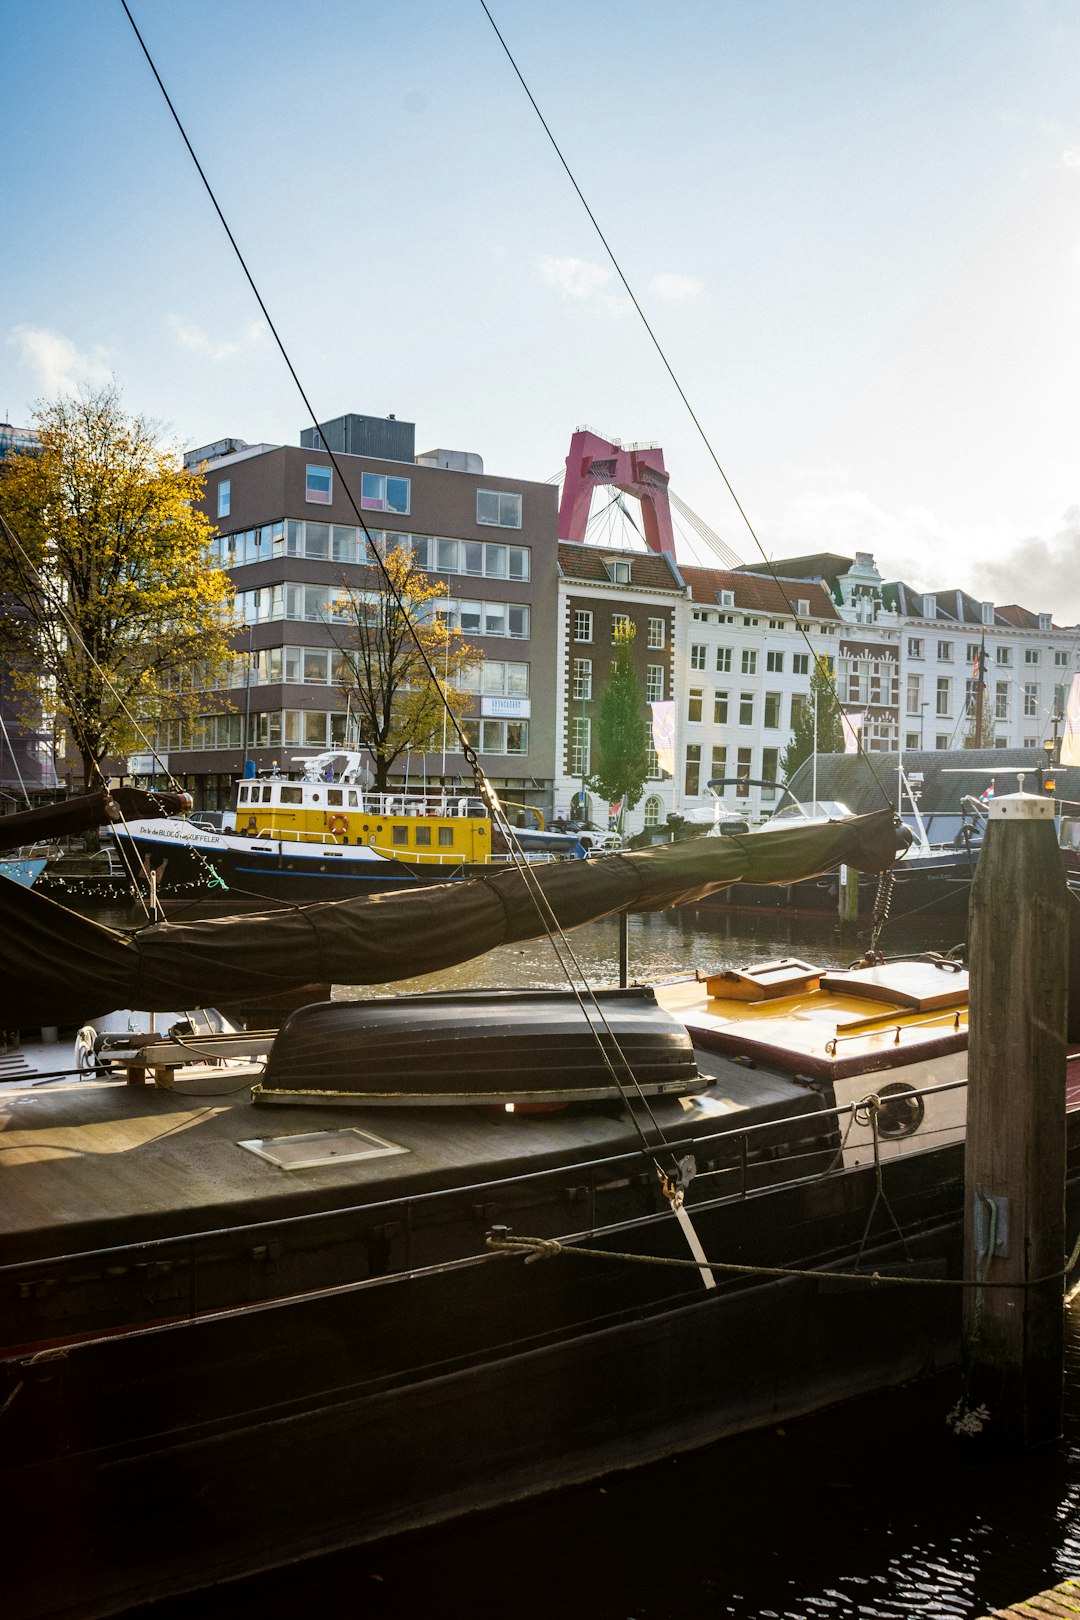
<point x="822" y="704"/>
<point x="112" y="597"/>
<point x="380" y="668"/>
<point x="621" y="752"/>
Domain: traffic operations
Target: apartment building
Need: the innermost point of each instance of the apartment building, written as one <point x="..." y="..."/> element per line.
<point x="288" y="535"/>
<point x="598" y="589"/>
<point x="1027" y="667"/>
<point x="745" y="659"/>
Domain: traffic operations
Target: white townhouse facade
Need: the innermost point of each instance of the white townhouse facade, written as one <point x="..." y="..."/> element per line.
<point x="1028" y="669"/>
<point x="743" y="669"/>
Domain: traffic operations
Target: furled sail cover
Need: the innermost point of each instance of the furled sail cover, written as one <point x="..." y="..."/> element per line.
<point x="59" y="968"/>
<point x="69" y="816"/>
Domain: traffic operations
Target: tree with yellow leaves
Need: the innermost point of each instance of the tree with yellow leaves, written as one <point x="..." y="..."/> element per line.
<point x="383" y="674"/>
<point x="111" y="597"/>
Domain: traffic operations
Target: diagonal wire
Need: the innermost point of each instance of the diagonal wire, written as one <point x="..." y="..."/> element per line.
<point x="550" y="921"/>
<point x="886" y="795"/>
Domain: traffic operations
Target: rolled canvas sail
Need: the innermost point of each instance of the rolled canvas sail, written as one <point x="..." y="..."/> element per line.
<point x="60" y="968"/>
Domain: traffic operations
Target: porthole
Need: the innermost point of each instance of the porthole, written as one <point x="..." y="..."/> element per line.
<point x="902" y="1111"/>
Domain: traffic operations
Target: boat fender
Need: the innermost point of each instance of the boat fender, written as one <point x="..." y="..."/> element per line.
<point x="338" y="825"/>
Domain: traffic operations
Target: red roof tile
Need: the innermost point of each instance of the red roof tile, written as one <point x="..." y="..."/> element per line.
<point x="649" y="571"/>
<point x="758" y="593"/>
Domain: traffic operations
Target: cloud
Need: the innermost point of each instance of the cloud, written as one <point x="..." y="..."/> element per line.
<point x="575" y="278"/>
<point x="985" y="559"/>
<point x="1070" y="158"/>
<point x="1039" y="572"/>
<point x="59" y="366"/>
<point x="192" y="337"/>
<point x="675" y="288"/>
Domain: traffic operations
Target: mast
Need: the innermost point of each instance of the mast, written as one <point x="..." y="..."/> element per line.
<point x="980" y="682"/>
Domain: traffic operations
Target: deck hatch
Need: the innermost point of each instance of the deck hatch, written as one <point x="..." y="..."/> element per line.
<point x="311" y="1149"/>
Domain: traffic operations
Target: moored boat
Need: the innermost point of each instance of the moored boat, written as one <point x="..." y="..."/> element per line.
<point x="306" y="1334"/>
<point x="329" y="836"/>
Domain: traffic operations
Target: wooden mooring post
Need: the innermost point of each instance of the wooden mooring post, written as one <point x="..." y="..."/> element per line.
<point x="1014" y="1221"/>
<point x="848" y="897"/>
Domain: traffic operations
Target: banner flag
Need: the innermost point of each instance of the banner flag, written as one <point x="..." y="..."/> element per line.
<point x="852" y="724"/>
<point x="1070" y="743"/>
<point x="663" y="735"/>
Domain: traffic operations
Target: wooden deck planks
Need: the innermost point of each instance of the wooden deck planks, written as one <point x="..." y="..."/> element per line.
<point x="1060" y="1603"/>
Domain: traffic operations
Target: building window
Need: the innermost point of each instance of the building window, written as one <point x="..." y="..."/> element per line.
<point x="582" y="625"/>
<point x="692" y="779"/>
<point x="745" y="758"/>
<point x="914" y="693"/>
<point x="619" y="621"/>
<point x="726" y="598"/>
<point x="800" y="663"/>
<point x="972" y="651"/>
<point x="583" y="678"/>
<point x="772" y="711"/>
<point x="654" y="683"/>
<point x="438" y="555"/>
<point x="723" y="660"/>
<point x="319" y="485"/>
<point x="943" y="687"/>
<point x="694" y="704"/>
<point x="654" y="809"/>
<point x="915" y="647"/>
<point x="381" y="493"/>
<point x="720" y="708"/>
<point x="580" y="729"/>
<point x="944" y="652"/>
<point x="698" y="654"/>
<point x="1001" y="700"/>
<point x="497" y="736"/>
<point x="224" y="498"/>
<point x="482" y="618"/>
<point x="912" y="740"/>
<point x="719" y="762"/>
<point x="618" y="572"/>
<point x="1031" y="655"/>
<point x="1031" y="700"/>
<point x="776" y="624"/>
<point x="774" y="663"/>
<point x="746" y="708"/>
<point x="941" y="742"/>
<point x="656" y="633"/>
<point x="1061" y="660"/>
<point x="1004" y="655"/>
<point x="770" y="769"/>
<point x="749" y="661"/>
<point x="494" y="678"/>
<point x="496" y="508"/>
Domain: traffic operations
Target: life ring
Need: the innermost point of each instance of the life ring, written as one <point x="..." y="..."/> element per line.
<point x="338" y="825"/>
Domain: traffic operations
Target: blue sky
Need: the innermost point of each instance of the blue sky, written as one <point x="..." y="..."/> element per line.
<point x="855" y="228"/>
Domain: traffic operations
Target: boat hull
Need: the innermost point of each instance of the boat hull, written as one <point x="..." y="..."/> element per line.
<point x="188" y="862"/>
<point x="295" y="1428"/>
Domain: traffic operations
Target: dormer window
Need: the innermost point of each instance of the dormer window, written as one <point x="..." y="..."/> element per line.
<point x="802" y="607"/>
<point x="987" y="611"/>
<point x="618" y="572"/>
<point x="727" y="599"/>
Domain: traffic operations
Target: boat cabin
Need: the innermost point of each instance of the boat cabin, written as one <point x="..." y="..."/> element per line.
<point x="333" y="803"/>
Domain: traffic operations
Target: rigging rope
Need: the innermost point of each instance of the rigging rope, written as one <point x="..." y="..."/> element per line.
<point x="484" y="787"/>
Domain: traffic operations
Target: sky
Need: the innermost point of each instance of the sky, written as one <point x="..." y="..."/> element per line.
<point x="853" y="227"/>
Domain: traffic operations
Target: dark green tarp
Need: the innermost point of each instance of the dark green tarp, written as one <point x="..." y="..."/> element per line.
<point x="69" y="816"/>
<point x="60" y="968"/>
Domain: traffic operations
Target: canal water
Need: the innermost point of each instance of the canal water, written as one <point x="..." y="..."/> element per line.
<point x="870" y="1509"/>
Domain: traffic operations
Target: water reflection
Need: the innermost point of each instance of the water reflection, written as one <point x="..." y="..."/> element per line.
<point x="663" y="945"/>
